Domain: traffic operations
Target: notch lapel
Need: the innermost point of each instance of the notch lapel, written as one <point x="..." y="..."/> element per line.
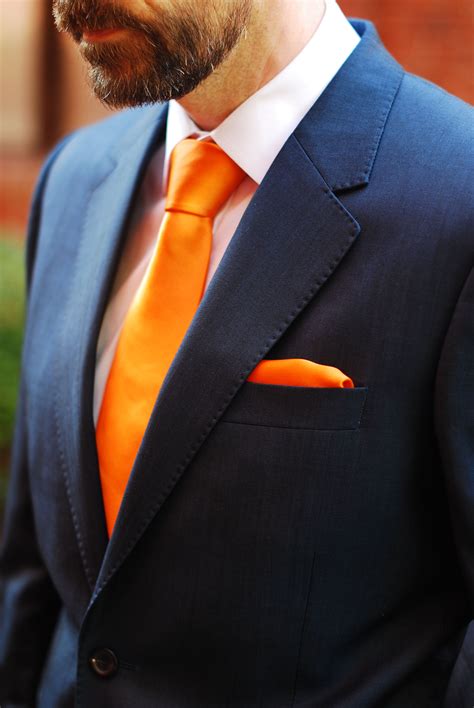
<point x="290" y="240"/>
<point x="106" y="211"/>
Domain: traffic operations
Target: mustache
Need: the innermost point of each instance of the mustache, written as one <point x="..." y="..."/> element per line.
<point x="78" y="16"/>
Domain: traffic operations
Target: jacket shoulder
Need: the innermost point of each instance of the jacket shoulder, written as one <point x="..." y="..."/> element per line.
<point x="429" y="143"/>
<point x="83" y="152"/>
<point x="440" y="124"/>
<point x="423" y="171"/>
<point x="430" y="91"/>
<point x="77" y="164"/>
<point x="106" y="132"/>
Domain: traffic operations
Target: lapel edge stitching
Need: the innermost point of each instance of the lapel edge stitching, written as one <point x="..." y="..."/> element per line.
<point x="58" y="399"/>
<point x="365" y="175"/>
<point x="353" y="232"/>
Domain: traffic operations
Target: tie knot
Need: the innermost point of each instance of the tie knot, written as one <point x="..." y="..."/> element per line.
<point x="201" y="178"/>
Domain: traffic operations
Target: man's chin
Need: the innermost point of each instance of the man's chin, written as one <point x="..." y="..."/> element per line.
<point x="103" y="36"/>
<point x="119" y="84"/>
<point x="115" y="93"/>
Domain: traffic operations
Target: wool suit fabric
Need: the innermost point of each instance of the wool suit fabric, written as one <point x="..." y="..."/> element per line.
<point x="277" y="546"/>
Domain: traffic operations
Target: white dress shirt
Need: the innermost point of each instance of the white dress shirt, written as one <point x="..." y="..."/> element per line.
<point x="252" y="135"/>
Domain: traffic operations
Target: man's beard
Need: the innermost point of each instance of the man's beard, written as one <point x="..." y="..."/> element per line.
<point x="157" y="59"/>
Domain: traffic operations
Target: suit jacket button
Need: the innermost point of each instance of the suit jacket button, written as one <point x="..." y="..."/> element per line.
<point x="103" y="662"/>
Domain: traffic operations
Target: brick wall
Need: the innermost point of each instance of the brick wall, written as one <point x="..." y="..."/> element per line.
<point x="433" y="38"/>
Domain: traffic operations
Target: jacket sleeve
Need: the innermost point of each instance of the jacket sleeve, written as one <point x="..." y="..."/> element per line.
<point x="29" y="604"/>
<point x="454" y="415"/>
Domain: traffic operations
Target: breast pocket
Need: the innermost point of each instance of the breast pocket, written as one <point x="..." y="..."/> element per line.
<point x="286" y="460"/>
<point x="296" y="407"/>
<point x="279" y="483"/>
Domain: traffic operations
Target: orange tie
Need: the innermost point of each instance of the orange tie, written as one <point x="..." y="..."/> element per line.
<point x="201" y="179"/>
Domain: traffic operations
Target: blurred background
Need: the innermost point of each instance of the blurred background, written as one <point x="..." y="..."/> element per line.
<point x="44" y="96"/>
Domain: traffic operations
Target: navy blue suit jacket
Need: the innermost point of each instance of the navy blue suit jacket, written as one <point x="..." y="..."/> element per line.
<point x="277" y="546"/>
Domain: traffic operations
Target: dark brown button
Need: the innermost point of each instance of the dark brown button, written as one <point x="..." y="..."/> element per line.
<point x="104" y="662"/>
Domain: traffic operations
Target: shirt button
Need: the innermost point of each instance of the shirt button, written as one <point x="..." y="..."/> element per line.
<point x="103" y="662"/>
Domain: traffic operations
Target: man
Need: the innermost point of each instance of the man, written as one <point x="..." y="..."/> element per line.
<point x="243" y="467"/>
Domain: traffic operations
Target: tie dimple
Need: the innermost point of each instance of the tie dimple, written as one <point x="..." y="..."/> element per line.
<point x="202" y="177"/>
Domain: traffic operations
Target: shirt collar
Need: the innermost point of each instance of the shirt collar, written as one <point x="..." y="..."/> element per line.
<point x="254" y="133"/>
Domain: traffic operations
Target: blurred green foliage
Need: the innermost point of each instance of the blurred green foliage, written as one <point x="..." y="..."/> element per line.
<point x="11" y="331"/>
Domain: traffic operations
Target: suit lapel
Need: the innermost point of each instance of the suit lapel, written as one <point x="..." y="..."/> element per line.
<point x="290" y="240"/>
<point x="106" y="210"/>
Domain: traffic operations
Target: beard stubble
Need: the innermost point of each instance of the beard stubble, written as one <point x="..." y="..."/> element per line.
<point x="163" y="57"/>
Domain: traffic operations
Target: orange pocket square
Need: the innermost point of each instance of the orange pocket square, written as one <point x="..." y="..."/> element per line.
<point x="299" y="372"/>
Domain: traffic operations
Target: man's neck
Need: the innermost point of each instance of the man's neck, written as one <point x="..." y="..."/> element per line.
<point x="278" y="30"/>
